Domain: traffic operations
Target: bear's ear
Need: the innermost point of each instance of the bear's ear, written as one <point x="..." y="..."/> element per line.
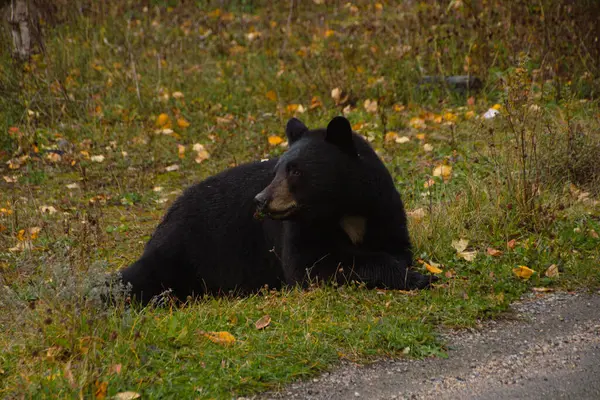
<point x="294" y="130"/>
<point x="339" y="133"/>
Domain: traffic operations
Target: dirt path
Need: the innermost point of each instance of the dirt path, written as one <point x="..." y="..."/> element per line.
<point x="551" y="350"/>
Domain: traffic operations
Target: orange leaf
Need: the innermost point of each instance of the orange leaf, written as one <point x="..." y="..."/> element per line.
<point x="163" y="121"/>
<point x="263" y="322"/>
<point x="433" y="269"/>
<point x="182" y="123"/>
<point x="101" y="388"/>
<point x="511" y="244"/>
<point x="275" y="140"/>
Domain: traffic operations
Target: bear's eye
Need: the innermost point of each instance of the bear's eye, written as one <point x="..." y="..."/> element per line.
<point x="294" y="172"/>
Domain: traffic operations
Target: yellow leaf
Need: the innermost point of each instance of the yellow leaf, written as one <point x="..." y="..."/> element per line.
<point x="469" y="114"/>
<point x="223" y="338"/>
<point x="275" y="140"/>
<point x="182" y="123"/>
<point x="493" y="252"/>
<point x="420" y="136"/>
<point x="390" y="136"/>
<point x="263" y="322"/>
<point x="433" y="269"/>
<point x="329" y="33"/>
<point x="523" y="272"/>
<point x="127" y="396"/>
<point x="460" y="245"/>
<point x="444" y="171"/>
<point x="271" y="95"/>
<point x="497" y="107"/>
<point x="552" y="271"/>
<point x="21" y="235"/>
<point x="399" y="107"/>
<point x="163" y="121"/>
<point x="452" y="118"/>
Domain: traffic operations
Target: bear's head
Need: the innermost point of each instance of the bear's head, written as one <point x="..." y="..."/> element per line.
<point x="313" y="179"/>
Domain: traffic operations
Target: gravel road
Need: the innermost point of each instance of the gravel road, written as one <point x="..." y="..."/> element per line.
<point x="549" y="350"/>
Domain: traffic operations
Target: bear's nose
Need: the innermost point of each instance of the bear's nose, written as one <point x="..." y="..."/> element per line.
<point x="261" y="200"/>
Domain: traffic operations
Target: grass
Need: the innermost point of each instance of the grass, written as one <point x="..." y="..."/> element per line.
<point x="528" y="177"/>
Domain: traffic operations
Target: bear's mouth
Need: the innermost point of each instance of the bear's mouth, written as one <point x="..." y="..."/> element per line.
<point x="275" y="214"/>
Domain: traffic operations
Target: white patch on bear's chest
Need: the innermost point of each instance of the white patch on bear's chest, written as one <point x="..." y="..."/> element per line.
<point x="355" y="227"/>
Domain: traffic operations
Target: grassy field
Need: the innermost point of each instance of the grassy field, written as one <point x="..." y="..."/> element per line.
<point x="131" y="103"/>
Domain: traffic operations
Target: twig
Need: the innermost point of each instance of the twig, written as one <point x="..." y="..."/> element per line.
<point x="132" y="61"/>
<point x="288" y="30"/>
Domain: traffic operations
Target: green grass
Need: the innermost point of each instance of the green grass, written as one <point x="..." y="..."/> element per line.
<point x="529" y="175"/>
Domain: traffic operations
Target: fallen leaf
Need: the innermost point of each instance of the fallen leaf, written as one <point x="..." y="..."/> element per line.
<point x="72" y="186"/>
<point x="53" y="157"/>
<point x="127" y="396"/>
<point x="427" y="147"/>
<point x="172" y="168"/>
<point x="275" y="140"/>
<point x="271" y="95"/>
<point x="47" y="209"/>
<point x="450" y="274"/>
<point x="428" y="183"/>
<point x="336" y="94"/>
<point x="523" y="272"/>
<point x="542" y="289"/>
<point x="263" y="322"/>
<point x="511" y="244"/>
<point x="402" y="139"/>
<point x="433" y="268"/>
<point x="467" y="255"/>
<point x="493" y="252"/>
<point x="10" y="179"/>
<point x="98" y="158"/>
<point x="390" y="137"/>
<point x="182" y="123"/>
<point x="417" y="123"/>
<point x="202" y="153"/>
<point x="460" y="245"/>
<point x="115" y="369"/>
<point x="399" y="107"/>
<point x="222" y="338"/>
<point x="100" y="392"/>
<point x="370" y="106"/>
<point x="417" y="214"/>
<point x="552" y="271"/>
<point x="177" y="95"/>
<point x="443" y="171"/>
<point x="180" y="150"/>
<point x="34" y="232"/>
<point x="163" y="121"/>
<point x="491" y="113"/>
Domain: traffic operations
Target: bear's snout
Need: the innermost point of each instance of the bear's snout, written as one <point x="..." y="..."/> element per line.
<point x="261" y="201"/>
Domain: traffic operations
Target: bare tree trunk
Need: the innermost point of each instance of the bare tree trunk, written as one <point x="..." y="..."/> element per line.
<point x="20" y="31"/>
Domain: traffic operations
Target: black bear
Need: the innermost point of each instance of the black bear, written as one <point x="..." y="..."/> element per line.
<point x="332" y="211"/>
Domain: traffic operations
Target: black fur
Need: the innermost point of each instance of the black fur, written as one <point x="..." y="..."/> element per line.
<point x="209" y="241"/>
